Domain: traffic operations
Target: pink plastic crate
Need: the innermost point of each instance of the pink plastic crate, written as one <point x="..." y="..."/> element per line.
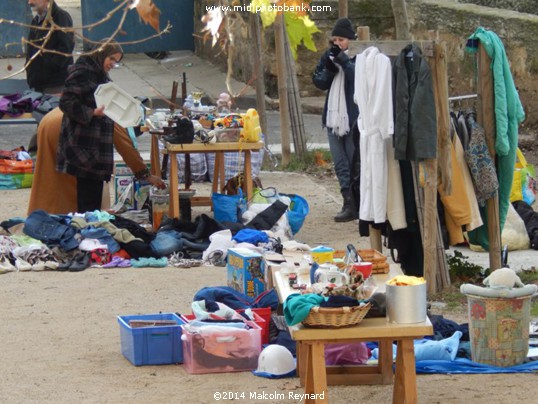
<point x="262" y="317"/>
<point x="217" y="349"/>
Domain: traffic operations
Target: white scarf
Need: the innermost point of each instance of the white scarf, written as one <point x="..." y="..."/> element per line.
<point x="337" y="118"/>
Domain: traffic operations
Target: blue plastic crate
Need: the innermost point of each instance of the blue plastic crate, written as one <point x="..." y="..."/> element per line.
<point x="155" y="345"/>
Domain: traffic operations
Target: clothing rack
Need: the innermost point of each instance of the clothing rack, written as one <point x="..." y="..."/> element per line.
<point x="462" y="97"/>
<point x="486" y="118"/>
<point x="435" y="264"/>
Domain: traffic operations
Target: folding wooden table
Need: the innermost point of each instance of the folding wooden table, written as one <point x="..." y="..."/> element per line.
<point x="219" y="174"/>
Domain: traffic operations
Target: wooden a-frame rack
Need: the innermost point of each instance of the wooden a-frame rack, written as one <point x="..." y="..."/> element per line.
<point x="435" y="265"/>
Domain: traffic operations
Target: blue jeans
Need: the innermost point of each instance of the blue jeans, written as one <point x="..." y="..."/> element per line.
<point x="342" y="149"/>
<point x="50" y="229"/>
<point x="103" y="236"/>
<point x="170" y="241"/>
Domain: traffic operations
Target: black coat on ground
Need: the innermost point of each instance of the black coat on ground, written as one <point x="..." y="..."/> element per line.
<point x="530" y="217"/>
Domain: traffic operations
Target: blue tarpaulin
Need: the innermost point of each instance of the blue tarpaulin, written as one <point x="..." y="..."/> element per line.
<point x="467" y="366"/>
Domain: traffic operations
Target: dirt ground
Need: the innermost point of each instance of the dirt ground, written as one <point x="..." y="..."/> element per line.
<point x="60" y="338"/>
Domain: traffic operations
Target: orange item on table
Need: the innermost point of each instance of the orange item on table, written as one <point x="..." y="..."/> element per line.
<point x="405" y="280"/>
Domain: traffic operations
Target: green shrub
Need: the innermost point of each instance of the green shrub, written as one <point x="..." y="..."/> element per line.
<point x="462" y="270"/>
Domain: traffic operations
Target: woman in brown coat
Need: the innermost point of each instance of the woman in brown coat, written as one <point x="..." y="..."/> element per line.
<point x="56" y="192"/>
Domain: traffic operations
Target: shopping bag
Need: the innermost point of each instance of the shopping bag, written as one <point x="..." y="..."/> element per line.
<point x="16" y="181"/>
<point x="228" y="208"/>
<point x="8" y="166"/>
<point x="297" y="212"/>
<point x="15" y="174"/>
<point x="524" y="186"/>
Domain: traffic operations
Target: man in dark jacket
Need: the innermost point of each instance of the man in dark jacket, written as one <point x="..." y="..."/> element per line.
<point x="47" y="71"/>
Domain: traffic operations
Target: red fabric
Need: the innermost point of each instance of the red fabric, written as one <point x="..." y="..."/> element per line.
<point x="100" y="256"/>
<point x="122" y="254"/>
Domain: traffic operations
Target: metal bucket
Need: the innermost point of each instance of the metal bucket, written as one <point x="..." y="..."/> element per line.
<point x="406" y="304"/>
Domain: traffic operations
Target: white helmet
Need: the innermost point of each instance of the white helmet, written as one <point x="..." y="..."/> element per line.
<point x="276" y="360"/>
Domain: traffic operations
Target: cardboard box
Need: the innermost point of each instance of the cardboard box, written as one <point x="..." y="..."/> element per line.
<point x="133" y="193"/>
<point x="124" y="190"/>
<point x="246" y="271"/>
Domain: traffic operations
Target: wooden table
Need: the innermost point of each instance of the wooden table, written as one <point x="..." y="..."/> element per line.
<point x="316" y="376"/>
<point x="23" y="119"/>
<point x="219" y="173"/>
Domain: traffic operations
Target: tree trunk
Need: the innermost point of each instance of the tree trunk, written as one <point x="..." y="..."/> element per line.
<point x="401" y="21"/>
<point x="259" y="73"/>
<point x="279" y="28"/>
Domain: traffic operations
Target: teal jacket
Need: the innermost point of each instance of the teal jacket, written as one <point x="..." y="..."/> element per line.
<point x="297" y="306"/>
<point x="508" y="115"/>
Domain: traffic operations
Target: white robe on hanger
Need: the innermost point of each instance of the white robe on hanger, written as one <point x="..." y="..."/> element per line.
<point x="380" y="172"/>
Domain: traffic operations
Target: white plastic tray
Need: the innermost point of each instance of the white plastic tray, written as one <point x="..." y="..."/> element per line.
<point x="119" y="105"/>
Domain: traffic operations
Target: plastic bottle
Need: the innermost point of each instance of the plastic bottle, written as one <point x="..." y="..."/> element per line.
<point x="189" y="102"/>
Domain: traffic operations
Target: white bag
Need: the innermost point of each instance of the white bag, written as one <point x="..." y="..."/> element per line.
<point x="514" y="233"/>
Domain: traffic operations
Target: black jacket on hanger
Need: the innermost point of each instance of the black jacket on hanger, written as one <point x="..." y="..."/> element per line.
<point x="415" y="122"/>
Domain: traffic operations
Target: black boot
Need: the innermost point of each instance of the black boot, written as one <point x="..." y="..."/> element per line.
<point x="347" y="213"/>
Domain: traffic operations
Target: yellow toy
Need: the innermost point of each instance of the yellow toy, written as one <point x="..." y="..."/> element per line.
<point x="251" y="131"/>
<point x="228" y="121"/>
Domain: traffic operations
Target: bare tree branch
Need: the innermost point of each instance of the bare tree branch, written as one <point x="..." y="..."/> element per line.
<point x="48" y="18"/>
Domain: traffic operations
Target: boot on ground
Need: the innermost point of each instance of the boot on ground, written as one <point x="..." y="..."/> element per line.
<point x="345" y="215"/>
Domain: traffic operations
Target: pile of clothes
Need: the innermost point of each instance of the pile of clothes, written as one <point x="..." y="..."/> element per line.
<point x="28" y="101"/>
<point x="75" y="242"/>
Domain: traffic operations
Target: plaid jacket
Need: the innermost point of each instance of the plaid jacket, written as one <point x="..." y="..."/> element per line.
<point x="86" y="144"/>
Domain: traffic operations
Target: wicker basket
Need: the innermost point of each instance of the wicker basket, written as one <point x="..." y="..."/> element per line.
<point x="337" y="317"/>
<point x="381" y="268"/>
<point x="379" y="261"/>
<point x="372" y="256"/>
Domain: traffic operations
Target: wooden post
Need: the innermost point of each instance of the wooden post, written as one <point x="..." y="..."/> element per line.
<point x="343" y="8"/>
<point x="184" y="91"/>
<point x="432" y="247"/>
<point x="282" y="89"/>
<point x="363" y="34"/>
<point x="486" y="118"/>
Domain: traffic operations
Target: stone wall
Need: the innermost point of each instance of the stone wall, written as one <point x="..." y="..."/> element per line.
<point x="523" y="6"/>
<point x="454" y="21"/>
